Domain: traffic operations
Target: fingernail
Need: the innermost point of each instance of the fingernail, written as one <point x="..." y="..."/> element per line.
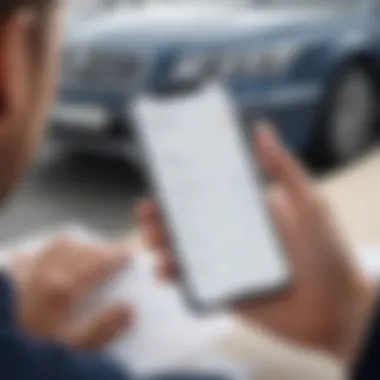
<point x="266" y="128"/>
<point x="264" y="124"/>
<point x="265" y="135"/>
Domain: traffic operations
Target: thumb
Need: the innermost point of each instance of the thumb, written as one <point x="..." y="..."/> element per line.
<point x="101" y="330"/>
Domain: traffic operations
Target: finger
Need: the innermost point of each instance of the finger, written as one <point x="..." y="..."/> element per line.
<point x="100" y="331"/>
<point x="63" y="254"/>
<point x="285" y="218"/>
<point x="84" y="265"/>
<point x="145" y="210"/>
<point x="21" y="261"/>
<point x="155" y="238"/>
<point x="154" y="233"/>
<point x="280" y="165"/>
<point x="167" y="269"/>
<point x="52" y="252"/>
<point x="148" y="212"/>
<point x="152" y="226"/>
<point x="95" y="265"/>
<point x="157" y="242"/>
<point x="19" y="267"/>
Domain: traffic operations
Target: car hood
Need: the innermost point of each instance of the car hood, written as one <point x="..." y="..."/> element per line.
<point x="159" y="25"/>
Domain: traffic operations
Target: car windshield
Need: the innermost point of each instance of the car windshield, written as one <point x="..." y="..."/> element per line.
<point x="256" y="3"/>
<point x="84" y="6"/>
<point x="302" y="3"/>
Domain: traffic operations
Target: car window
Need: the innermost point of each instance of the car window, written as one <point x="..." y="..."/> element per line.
<point x="84" y="6"/>
<point x="255" y="3"/>
<point x="234" y="3"/>
<point x="304" y="3"/>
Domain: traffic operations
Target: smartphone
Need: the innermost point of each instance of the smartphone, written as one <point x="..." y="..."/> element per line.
<point x="212" y="196"/>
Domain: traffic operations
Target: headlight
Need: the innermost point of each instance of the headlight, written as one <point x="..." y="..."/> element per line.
<point x="273" y="61"/>
<point x="194" y="68"/>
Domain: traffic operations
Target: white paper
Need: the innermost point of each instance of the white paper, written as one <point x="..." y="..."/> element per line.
<point x="166" y="332"/>
<point x="167" y="336"/>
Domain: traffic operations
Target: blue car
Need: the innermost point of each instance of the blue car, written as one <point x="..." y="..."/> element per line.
<point x="311" y="67"/>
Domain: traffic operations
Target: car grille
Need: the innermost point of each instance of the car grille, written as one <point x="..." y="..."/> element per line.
<point x="106" y="70"/>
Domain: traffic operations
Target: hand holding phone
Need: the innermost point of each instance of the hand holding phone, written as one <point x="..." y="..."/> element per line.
<point x="331" y="300"/>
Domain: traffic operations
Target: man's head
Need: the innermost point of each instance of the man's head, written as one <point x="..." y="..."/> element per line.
<point x="29" y="45"/>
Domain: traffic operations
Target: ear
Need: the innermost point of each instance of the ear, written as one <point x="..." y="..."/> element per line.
<point x="14" y="58"/>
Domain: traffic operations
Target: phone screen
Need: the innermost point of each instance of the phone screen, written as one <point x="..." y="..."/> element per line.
<point x="212" y="196"/>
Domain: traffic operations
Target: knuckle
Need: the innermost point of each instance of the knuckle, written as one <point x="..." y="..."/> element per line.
<point x="58" y="288"/>
<point x="102" y="252"/>
<point x="103" y="264"/>
<point x="93" y="249"/>
<point x="62" y="243"/>
<point x="92" y="259"/>
<point x="96" y="258"/>
<point x="319" y="205"/>
<point x="106" y="255"/>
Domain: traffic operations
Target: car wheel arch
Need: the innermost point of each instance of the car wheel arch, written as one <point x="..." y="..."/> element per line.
<point x="360" y="61"/>
<point x="365" y="60"/>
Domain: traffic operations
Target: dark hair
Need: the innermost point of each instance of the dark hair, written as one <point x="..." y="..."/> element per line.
<point x="7" y="7"/>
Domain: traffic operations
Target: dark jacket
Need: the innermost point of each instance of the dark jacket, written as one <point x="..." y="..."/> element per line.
<point x="22" y="358"/>
<point x="368" y="364"/>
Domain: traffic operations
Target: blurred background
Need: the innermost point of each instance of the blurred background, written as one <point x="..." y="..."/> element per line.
<point x="311" y="67"/>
